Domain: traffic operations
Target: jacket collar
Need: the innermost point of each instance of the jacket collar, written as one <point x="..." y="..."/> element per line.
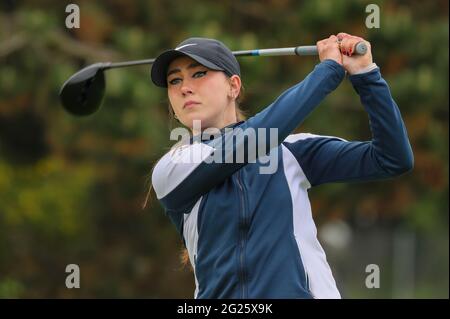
<point x="209" y="137"/>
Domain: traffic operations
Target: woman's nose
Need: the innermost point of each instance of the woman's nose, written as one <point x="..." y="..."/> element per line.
<point x="186" y="88"/>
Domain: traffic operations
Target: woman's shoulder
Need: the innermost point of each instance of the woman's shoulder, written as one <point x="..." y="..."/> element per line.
<point x="186" y="153"/>
<point x="177" y="163"/>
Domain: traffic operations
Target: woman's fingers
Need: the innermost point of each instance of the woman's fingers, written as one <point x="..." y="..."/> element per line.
<point x="348" y="46"/>
<point x="330" y="42"/>
<point x="328" y="48"/>
<point x="348" y="43"/>
<point x="342" y="35"/>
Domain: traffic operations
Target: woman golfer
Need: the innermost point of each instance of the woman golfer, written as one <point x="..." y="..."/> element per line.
<point x="239" y="197"/>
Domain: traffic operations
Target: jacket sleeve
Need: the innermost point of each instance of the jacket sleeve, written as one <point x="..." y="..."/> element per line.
<point x="329" y="159"/>
<point x="183" y="175"/>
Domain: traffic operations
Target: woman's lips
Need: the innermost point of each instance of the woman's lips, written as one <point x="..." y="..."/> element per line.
<point x="190" y="104"/>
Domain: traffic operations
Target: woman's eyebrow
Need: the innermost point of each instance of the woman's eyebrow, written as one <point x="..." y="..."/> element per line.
<point x="190" y="66"/>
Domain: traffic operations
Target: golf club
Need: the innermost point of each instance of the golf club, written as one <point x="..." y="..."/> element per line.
<point x="83" y="92"/>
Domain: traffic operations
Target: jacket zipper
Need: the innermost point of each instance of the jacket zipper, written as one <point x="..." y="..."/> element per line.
<point x="242" y="235"/>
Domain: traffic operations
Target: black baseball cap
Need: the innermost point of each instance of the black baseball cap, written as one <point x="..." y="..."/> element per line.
<point x="208" y="52"/>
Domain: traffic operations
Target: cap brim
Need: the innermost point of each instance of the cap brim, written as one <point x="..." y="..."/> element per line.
<point x="161" y="64"/>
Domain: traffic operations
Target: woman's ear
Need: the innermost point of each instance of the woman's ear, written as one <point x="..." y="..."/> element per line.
<point x="235" y="86"/>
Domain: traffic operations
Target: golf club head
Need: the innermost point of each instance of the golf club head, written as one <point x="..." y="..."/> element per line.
<point x="83" y="92"/>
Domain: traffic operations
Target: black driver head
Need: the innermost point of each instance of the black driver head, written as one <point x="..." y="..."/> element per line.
<point x="83" y="92"/>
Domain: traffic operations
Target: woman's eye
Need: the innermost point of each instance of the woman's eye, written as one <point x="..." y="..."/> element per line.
<point x="199" y="74"/>
<point x="174" y="81"/>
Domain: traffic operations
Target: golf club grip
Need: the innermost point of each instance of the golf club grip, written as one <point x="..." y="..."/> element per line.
<point x="360" y="49"/>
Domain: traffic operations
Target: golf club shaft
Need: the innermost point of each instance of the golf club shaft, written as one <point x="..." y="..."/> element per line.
<point x="360" y="48"/>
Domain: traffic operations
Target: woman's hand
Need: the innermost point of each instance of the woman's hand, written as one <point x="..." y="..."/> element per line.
<point x="329" y="49"/>
<point x="353" y="63"/>
<point x="341" y="48"/>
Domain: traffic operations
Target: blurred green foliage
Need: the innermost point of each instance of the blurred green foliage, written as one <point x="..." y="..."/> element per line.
<point x="71" y="188"/>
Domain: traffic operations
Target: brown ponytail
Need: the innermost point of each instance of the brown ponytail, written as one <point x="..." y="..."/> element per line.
<point x="184" y="258"/>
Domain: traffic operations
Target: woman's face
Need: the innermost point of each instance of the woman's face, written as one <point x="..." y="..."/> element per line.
<point x="198" y="93"/>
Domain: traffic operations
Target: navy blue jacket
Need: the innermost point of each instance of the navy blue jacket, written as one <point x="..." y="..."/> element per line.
<point x="251" y="234"/>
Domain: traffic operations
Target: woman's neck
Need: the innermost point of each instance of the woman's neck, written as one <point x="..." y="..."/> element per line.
<point x="225" y="120"/>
